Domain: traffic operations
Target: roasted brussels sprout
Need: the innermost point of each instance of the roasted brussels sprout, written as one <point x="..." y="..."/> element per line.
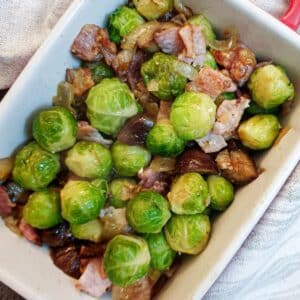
<point x="210" y="61"/>
<point x="270" y="86"/>
<point x="81" y="201"/>
<point x="189" y="194"/>
<point x="188" y="234"/>
<point x="99" y="70"/>
<point x="34" y="168"/>
<point x="89" y="159"/>
<point x="228" y="95"/>
<point x="221" y="192"/>
<point x="128" y="160"/>
<point x="161" y="77"/>
<point x="42" y="209"/>
<point x="255" y="109"/>
<point x="120" y="191"/>
<point x="126" y="259"/>
<point x="122" y="21"/>
<point x="162" y="255"/>
<point x="193" y="115"/>
<point x="163" y="140"/>
<point x="207" y="29"/>
<point x="153" y="9"/>
<point x="148" y="212"/>
<point x="259" y="132"/>
<point x="90" y="231"/>
<point x="55" y="129"/>
<point x="109" y="104"/>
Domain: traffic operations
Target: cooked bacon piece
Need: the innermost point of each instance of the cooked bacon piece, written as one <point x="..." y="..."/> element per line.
<point x="229" y="115"/>
<point x="211" y="82"/>
<point x="92" y="280"/>
<point x="195" y="160"/>
<point x="29" y="233"/>
<point x="212" y="143"/>
<point x="90" y="250"/>
<point x="237" y="166"/>
<point x="107" y="48"/>
<point x="5" y="204"/>
<point x="81" y="80"/>
<point x="121" y="64"/>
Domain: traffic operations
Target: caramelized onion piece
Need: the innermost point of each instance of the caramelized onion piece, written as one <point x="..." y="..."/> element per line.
<point x="163" y="164"/>
<point x="6" y="165"/>
<point x="228" y="44"/>
<point x="179" y="6"/>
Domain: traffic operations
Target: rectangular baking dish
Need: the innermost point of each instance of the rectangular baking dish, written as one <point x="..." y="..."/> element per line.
<point x="28" y="269"/>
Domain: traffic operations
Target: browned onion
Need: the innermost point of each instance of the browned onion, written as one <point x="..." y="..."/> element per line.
<point x="179" y="6"/>
<point x="185" y="70"/>
<point x="228" y="44"/>
<point x="6" y="165"/>
<point x="162" y="164"/>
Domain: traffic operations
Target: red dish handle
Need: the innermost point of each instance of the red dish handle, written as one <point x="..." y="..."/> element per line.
<point x="292" y="16"/>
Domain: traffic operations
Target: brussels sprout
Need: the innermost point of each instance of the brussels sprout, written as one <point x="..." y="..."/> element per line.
<point x="228" y="95"/>
<point x="89" y="159"/>
<point x="42" y="209"/>
<point x="128" y="160"/>
<point x="120" y="191"/>
<point x="126" y="259"/>
<point x="259" y="132"/>
<point x="188" y="234"/>
<point x="160" y="71"/>
<point x="162" y="140"/>
<point x="221" y="192"/>
<point x="34" y="167"/>
<point x="148" y="212"/>
<point x="162" y="255"/>
<point x="90" y="231"/>
<point x="99" y="70"/>
<point x="55" y="129"/>
<point x="193" y="115"/>
<point x="122" y="21"/>
<point x="189" y="194"/>
<point x="255" y="109"/>
<point x="270" y="86"/>
<point x="109" y="104"/>
<point x="210" y="61"/>
<point x="207" y="29"/>
<point x="153" y="9"/>
<point x="81" y="201"/>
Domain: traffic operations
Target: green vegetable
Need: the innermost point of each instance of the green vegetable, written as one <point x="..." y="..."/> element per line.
<point x="148" y="212"/>
<point x="128" y="160"/>
<point x="188" y="234"/>
<point x="121" y="190"/>
<point x="221" y="192"/>
<point x="126" y="259"/>
<point x="109" y="104"/>
<point x="99" y="70"/>
<point x="153" y="9"/>
<point x="34" y="168"/>
<point x="122" y="21"/>
<point x="162" y="140"/>
<point x="210" y="61"/>
<point x="189" y="194"/>
<point x="90" y="231"/>
<point x="270" y="86"/>
<point x="81" y="201"/>
<point x="42" y="209"/>
<point x="161" y="77"/>
<point x="228" y="95"/>
<point x="55" y="129"/>
<point x="90" y="160"/>
<point x="255" y="109"/>
<point x="259" y="132"/>
<point x="162" y="255"/>
<point x="193" y="115"/>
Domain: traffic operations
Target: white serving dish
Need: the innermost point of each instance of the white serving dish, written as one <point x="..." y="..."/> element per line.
<point x="28" y="269"/>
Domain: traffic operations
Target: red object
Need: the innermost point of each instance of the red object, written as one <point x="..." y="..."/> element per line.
<point x="292" y="17"/>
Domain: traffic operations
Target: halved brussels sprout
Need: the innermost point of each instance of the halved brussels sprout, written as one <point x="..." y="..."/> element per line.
<point x="270" y="86"/>
<point x="99" y="70"/>
<point x="189" y="194"/>
<point x="89" y="159"/>
<point x="34" y="168"/>
<point x="120" y="191"/>
<point x="153" y="9"/>
<point x="126" y="259"/>
<point x="55" y="129"/>
<point x="162" y="255"/>
<point x="128" y="160"/>
<point x="81" y="201"/>
<point x="210" y="61"/>
<point x="148" y="212"/>
<point x="163" y="140"/>
<point x="109" y="104"/>
<point x="122" y="21"/>
<point x="221" y="192"/>
<point x="90" y="231"/>
<point x="193" y="115"/>
<point x="161" y="77"/>
<point x="255" y="109"/>
<point x="259" y="132"/>
<point x="188" y="234"/>
<point x="42" y="209"/>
